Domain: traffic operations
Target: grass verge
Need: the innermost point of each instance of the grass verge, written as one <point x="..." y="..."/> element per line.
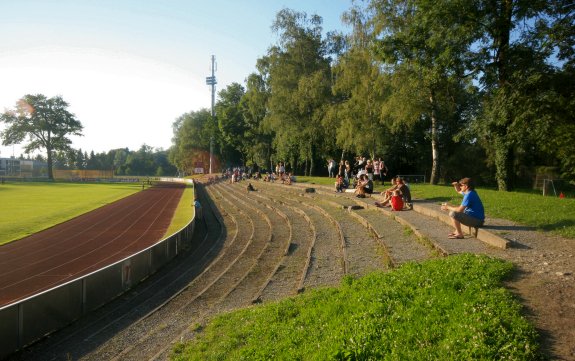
<point x="184" y="212"/>
<point x="442" y="309"/>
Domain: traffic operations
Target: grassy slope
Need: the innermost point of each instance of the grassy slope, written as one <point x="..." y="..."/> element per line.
<point x="444" y="309"/>
<point x="27" y="208"/>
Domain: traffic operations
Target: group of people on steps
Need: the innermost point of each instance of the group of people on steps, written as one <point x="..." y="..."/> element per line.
<point x="365" y="171"/>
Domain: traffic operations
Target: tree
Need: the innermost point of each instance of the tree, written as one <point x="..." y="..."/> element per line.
<point x="254" y="105"/>
<point x="424" y="50"/>
<point x="509" y="63"/>
<point x="192" y="132"/>
<point x="299" y="81"/>
<point x="231" y="123"/>
<point x="360" y="89"/>
<point x="46" y="123"/>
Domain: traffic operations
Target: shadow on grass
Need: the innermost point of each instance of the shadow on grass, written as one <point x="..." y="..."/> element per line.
<point x="565" y="223"/>
<point x="510" y="228"/>
<point x="435" y="200"/>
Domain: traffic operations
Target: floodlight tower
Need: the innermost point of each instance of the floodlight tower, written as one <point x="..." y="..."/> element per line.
<point x="211" y="80"/>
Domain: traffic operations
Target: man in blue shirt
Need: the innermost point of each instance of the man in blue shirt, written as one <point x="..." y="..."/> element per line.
<point x="470" y="213"/>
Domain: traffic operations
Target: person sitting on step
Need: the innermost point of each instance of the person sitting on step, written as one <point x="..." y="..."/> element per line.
<point x="470" y="213"/>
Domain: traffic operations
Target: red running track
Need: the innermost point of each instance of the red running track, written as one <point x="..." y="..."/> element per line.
<point x="86" y="243"/>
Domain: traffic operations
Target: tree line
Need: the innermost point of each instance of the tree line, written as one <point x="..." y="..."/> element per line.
<point x="47" y="124"/>
<point x="146" y="161"/>
<point x="448" y="88"/>
<point x="481" y="88"/>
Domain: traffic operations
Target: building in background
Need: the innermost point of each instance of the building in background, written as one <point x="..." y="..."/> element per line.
<point x="23" y="168"/>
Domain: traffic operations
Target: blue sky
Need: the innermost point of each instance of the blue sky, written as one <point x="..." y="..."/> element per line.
<point x="129" y="68"/>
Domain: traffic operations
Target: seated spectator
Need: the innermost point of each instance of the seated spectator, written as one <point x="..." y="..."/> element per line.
<point x="339" y="184"/>
<point x="388" y="193"/>
<point x="396" y="201"/>
<point x="364" y="186"/>
<point x="405" y="192"/>
<point x="470" y="213"/>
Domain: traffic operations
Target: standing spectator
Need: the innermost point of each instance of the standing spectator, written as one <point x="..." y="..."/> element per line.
<point x="331" y="167"/>
<point x="347" y="174"/>
<point x="369" y="169"/>
<point x="341" y="169"/>
<point x="358" y="165"/>
<point x="383" y="171"/>
<point x="281" y="170"/>
<point x="376" y="174"/>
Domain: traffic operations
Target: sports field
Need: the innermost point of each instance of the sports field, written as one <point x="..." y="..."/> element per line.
<point x="27" y="208"/>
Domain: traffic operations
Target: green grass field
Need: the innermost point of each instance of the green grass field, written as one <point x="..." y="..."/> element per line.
<point x="525" y="207"/>
<point x="27" y="208"/>
<point x="453" y="308"/>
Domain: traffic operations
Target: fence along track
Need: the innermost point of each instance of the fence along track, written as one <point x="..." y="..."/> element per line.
<point x="126" y="340"/>
<point x="123" y="342"/>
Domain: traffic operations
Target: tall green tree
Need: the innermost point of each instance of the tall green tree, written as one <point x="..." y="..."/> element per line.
<point x="360" y="87"/>
<point x="254" y="105"/>
<point x="555" y="34"/>
<point x="509" y="64"/>
<point x="192" y="133"/>
<point x="299" y="81"/>
<point x="424" y="55"/>
<point x="45" y="123"/>
<point x="232" y="124"/>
